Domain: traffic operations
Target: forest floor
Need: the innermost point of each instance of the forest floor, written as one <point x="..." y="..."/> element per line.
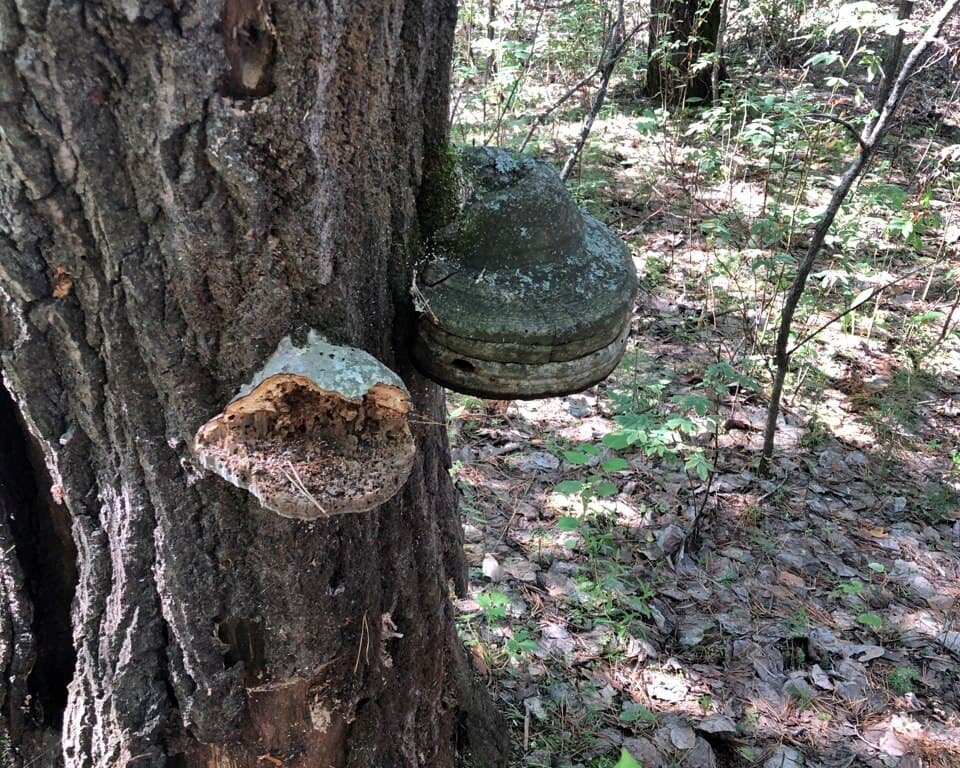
<point x="638" y="592"/>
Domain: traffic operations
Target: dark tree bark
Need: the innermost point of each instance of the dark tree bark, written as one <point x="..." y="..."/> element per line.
<point x="892" y="56"/>
<point x="182" y="185"/>
<point x="682" y="33"/>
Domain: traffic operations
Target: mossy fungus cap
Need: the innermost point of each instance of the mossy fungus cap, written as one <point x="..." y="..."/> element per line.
<point x="524" y="295"/>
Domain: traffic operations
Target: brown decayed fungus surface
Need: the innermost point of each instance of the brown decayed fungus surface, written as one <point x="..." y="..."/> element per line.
<point x="307" y="449"/>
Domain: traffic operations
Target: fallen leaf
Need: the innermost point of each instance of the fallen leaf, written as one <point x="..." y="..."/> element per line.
<point x="682" y="737"/>
<point x="717" y="724"/>
<point x="784" y="757"/>
<point x="820" y="678"/>
<point x="534" y="705"/>
<point x="521" y="570"/>
<point x="869" y="652"/>
<point x="951" y="641"/>
<point x="491" y="568"/>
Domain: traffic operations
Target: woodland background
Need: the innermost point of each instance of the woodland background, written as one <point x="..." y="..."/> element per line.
<point x="641" y="592"/>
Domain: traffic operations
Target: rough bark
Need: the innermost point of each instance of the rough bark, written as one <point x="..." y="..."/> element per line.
<point x="682" y="33"/>
<point x="37" y="574"/>
<point x="184" y="184"/>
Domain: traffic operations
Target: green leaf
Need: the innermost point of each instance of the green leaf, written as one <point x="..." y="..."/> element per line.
<point x="606" y="488"/>
<point x="861" y="297"/>
<point x="928" y="317"/>
<point x="698" y="463"/>
<point x="871" y="620"/>
<point x="633" y="712"/>
<point x="890" y="195"/>
<point x="567" y="524"/>
<point x="682" y="424"/>
<point x="825" y="58"/>
<point x="493" y="604"/>
<point x="569" y="487"/>
<point x="615" y="464"/>
<point x="616" y="440"/>
<point x="577" y="458"/>
<point x="627" y="760"/>
<point x="851" y="587"/>
<point x="697" y="403"/>
<point x="647" y="123"/>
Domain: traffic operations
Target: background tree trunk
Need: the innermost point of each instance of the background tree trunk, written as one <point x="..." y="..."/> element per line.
<point x="183" y="185"/>
<point x="682" y="32"/>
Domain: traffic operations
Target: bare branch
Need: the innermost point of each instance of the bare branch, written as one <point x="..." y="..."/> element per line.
<point x="853" y="307"/>
<point x="871" y="139"/>
<point x="617" y="54"/>
<point x="846" y="124"/>
<point x="616" y="38"/>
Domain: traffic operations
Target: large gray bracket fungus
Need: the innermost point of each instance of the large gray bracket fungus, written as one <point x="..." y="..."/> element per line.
<point x="523" y="295"/>
<point x="320" y="430"/>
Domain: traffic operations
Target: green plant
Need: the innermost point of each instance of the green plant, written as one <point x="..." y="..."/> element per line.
<point x="659" y="437"/>
<point x="763" y="543"/>
<point x="798" y="625"/>
<point x="941" y="502"/>
<point x="493" y="604"/>
<point x="627" y="760"/>
<point x="8" y="755"/>
<point x="779" y="24"/>
<point x="871" y="620"/>
<point x="634" y="713"/>
<point x="901" y="680"/>
<point x="803" y="700"/>
<point x="850" y="587"/>
<point x="598" y="483"/>
<point x="521" y="642"/>
<point x="815" y="433"/>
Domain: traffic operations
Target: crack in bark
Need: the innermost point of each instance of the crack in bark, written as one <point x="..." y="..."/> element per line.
<point x="250" y="44"/>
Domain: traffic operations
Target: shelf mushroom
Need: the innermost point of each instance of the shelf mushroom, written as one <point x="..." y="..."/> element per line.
<point x="523" y="295"/>
<point x="320" y="430"/>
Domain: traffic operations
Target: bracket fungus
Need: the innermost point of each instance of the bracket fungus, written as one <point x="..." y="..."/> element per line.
<point x="524" y="295"/>
<point x="320" y="430"/>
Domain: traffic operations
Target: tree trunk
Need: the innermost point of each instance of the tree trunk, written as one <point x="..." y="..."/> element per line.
<point x="182" y="186"/>
<point x="683" y="34"/>
<point x="891" y="58"/>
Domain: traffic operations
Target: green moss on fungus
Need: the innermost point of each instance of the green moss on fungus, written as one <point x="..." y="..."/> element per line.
<point x="524" y="295"/>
